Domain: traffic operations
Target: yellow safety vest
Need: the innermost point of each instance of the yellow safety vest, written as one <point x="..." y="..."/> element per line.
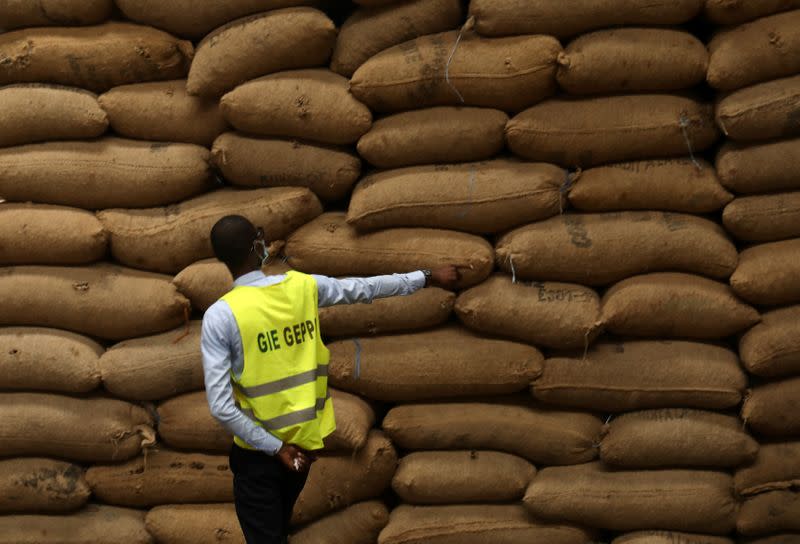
<point x="284" y="384"/>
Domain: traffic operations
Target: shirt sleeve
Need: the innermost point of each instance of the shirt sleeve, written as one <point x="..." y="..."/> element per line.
<point x="333" y="291"/>
<point x="215" y="346"/>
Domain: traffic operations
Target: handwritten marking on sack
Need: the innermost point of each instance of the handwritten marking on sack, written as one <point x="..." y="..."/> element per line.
<point x="576" y="228"/>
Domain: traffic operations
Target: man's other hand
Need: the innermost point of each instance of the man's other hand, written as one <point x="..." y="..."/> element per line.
<point x="445" y="276"/>
<point x="294" y="458"/>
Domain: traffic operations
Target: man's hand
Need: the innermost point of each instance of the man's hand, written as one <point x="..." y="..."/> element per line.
<point x="294" y="458"/>
<point x="445" y="276"/>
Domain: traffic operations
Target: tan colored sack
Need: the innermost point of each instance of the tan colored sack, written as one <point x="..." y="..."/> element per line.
<point x="35" y="113"/>
<point x="769" y="513"/>
<point x="628" y="60"/>
<point x="762" y="112"/>
<point x="474" y="524"/>
<point x="88" y="300"/>
<point x="95" y="524"/>
<point x="764" y="218"/>
<point x="48" y="360"/>
<point x="258" y="45"/>
<point x="354" y="419"/>
<point x="593" y="131"/>
<point x="553" y="315"/>
<point x="482" y="198"/>
<point x="509" y="74"/>
<point x="599" y="249"/>
<point x="669" y="537"/>
<point x="676" y="438"/>
<point x="336" y="482"/>
<point x="677" y="500"/>
<point x="766" y="49"/>
<point x="83" y="429"/>
<point x="504" y="17"/>
<point x="677" y="185"/>
<point x="93" y="57"/>
<point x="195" y="524"/>
<point x="769" y="409"/>
<point x="162" y="111"/>
<point x="312" y="104"/>
<point x="104" y="173"/>
<point x="458" y="477"/>
<point x="734" y="12"/>
<point x="760" y="168"/>
<point x="625" y="376"/>
<point x="777" y="539"/>
<point x="423" y="309"/>
<point x="170" y="239"/>
<point x="185" y="423"/>
<point x="537" y="434"/>
<point x="776" y="467"/>
<point x="36" y="484"/>
<point x="434" y="135"/>
<point x="328" y="245"/>
<point x="204" y="282"/>
<point x="358" y="524"/>
<point x="772" y="348"/>
<point x="43" y="234"/>
<point x="444" y="363"/>
<point x="368" y="31"/>
<point x="257" y="162"/>
<point x="155" y="367"/>
<point x="674" y="305"/>
<point x="769" y="274"/>
<point x="21" y="13"/>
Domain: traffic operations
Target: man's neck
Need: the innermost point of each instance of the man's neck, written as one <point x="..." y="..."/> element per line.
<point x="243" y="271"/>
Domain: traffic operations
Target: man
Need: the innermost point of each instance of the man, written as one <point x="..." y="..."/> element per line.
<point x="266" y="370"/>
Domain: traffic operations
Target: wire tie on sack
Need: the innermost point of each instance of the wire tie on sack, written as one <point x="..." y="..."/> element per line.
<point x="358" y="358"/>
<point x="513" y="270"/>
<point x="467" y="26"/>
<point x="684" y="123"/>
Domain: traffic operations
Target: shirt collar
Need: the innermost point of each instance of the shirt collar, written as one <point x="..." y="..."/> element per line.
<point x="247" y="279"/>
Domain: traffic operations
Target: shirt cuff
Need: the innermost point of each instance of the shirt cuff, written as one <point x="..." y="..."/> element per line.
<point x="416" y="279"/>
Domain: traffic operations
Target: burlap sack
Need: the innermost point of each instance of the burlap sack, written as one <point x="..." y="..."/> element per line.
<point x="358" y="524"/>
<point x="93" y="57"/>
<point x="271" y="162"/>
<point x="311" y="104"/>
<point x="677" y="185"/>
<point x="553" y="315"/>
<point x="458" y="477"/>
<point x="18" y="14"/>
<point x="105" y="173"/>
<point x="766" y="49"/>
<point x="35" y="113"/>
<point x="669" y="537"/>
<point x="336" y="482"/>
<point x="504" y="17"/>
<point x="537" y="434"/>
<point x="82" y="429"/>
<point x="42" y="234"/>
<point x="676" y="500"/>
<point x="762" y="112"/>
<point x="194" y="524"/>
<point x="675" y="305"/>
<point x="95" y="524"/>
<point x="155" y="367"/>
<point x="258" y="45"/>
<point x="764" y="218"/>
<point x="593" y="131"/>
<point x="369" y="31"/>
<point x="676" y="438"/>
<point x="769" y="273"/>
<point x="599" y="249"/>
<point x="192" y="20"/>
<point x="734" y="12"/>
<point x="644" y="374"/>
<point x="87" y="300"/>
<point x="162" y="111"/>
<point x="760" y="168"/>
<point x="482" y="198"/>
<point x="474" y="524"/>
<point x="170" y="239"/>
<point x="443" y="363"/>
<point x="772" y="348"/>
<point x="354" y="419"/>
<point x="769" y="409"/>
<point x="509" y="74"/>
<point x="629" y="60"/>
<point x="421" y="310"/>
<point x="328" y="245"/>
<point x="769" y="513"/>
<point x="776" y="467"/>
<point x="185" y="423"/>
<point x="36" y="484"/>
<point x="434" y="135"/>
<point x="35" y="359"/>
<point x="777" y="539"/>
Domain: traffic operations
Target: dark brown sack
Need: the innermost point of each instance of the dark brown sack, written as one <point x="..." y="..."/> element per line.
<point x="768" y="513"/>
<point x="776" y="467"/>
<point x="772" y="348"/>
<point x="195" y="524"/>
<point x="734" y="12"/>
<point x="764" y="218"/>
<point x="36" y="484"/>
<point x="669" y="537"/>
<point x="18" y="14"/>
<point x="769" y="274"/>
<point x="762" y="112"/>
<point x="357" y="524"/>
<point x="759" y="168"/>
<point x="769" y="409"/>
<point x="185" y="423"/>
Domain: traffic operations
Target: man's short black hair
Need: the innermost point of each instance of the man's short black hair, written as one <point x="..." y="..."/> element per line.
<point x="232" y="239"/>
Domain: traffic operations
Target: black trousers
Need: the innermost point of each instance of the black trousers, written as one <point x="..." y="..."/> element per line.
<point x="264" y="492"/>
